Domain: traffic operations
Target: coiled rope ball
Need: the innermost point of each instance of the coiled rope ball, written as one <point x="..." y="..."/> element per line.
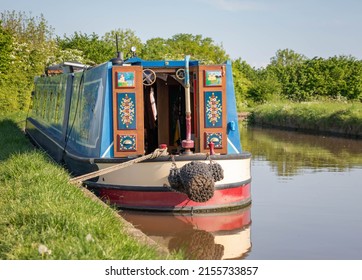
<point x="196" y="179"/>
<point x="174" y="179"/>
<point x="216" y="171"/>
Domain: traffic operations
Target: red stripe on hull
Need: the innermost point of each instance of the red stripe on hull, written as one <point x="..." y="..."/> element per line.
<point x="172" y="201"/>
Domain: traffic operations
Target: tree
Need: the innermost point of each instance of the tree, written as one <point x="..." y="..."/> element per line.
<point x="286" y="57"/>
<point x="5" y="50"/>
<point x="126" y="39"/>
<point x="31" y="45"/>
<point x="307" y="79"/>
<point x="97" y="49"/>
<point x="287" y="66"/>
<point x="243" y="75"/>
<point x="94" y="49"/>
<point x="179" y="45"/>
<point x="156" y="49"/>
<point x="254" y="85"/>
<point x="336" y="77"/>
<point x="5" y="61"/>
<point x="265" y="87"/>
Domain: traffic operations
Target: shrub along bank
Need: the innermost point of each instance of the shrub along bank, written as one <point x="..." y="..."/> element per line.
<point x="42" y="216"/>
<point x="338" y="118"/>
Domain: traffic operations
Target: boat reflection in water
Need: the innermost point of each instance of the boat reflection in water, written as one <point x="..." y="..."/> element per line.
<point x="199" y="236"/>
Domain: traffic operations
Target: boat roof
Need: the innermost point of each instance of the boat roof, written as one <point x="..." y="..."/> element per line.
<point x="159" y="63"/>
<point x="70" y="67"/>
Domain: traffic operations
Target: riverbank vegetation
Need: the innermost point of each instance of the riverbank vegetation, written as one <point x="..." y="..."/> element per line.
<point x="321" y="117"/>
<point x="45" y="217"/>
<point x="293" y="77"/>
<point x="293" y="91"/>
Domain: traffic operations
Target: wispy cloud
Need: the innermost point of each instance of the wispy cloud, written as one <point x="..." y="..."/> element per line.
<point x="236" y="5"/>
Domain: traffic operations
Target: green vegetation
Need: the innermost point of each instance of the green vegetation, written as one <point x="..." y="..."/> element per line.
<point x="42" y="216"/>
<point x="324" y="117"/>
<point x="293" y="77"/>
<point x="319" y="95"/>
<point x="97" y="49"/>
<point x="179" y="45"/>
<point x="27" y="46"/>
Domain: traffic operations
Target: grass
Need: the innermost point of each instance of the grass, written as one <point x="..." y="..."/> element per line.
<point x="42" y="216"/>
<point x="324" y="117"/>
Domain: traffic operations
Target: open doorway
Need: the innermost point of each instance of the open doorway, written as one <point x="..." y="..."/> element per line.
<point x="150" y="118"/>
<point x="165" y="112"/>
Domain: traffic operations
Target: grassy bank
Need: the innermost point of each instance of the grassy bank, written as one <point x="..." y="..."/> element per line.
<point x="321" y="117"/>
<point x="42" y="216"/>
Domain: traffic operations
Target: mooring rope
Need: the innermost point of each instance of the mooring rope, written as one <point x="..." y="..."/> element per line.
<point x="155" y="154"/>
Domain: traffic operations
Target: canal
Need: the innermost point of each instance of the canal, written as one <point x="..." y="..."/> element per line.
<point x="306" y="204"/>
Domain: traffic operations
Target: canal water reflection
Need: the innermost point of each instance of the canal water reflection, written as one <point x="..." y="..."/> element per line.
<point x="199" y="236"/>
<point x="306" y="204"/>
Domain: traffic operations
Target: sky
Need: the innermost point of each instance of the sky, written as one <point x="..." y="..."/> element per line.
<point x="253" y="30"/>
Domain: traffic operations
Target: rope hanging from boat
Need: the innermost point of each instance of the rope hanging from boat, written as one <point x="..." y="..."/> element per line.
<point x="155" y="154"/>
<point x="196" y="179"/>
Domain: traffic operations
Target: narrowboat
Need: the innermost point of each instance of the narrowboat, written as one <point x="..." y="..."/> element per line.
<point x="90" y="119"/>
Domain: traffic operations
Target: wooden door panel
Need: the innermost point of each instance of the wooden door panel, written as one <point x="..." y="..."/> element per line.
<point x="212" y="104"/>
<point x="128" y="117"/>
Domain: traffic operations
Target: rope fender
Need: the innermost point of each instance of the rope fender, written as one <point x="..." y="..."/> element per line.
<point x="196" y="179"/>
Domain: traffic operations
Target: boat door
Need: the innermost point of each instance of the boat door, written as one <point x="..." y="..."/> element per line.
<point x="128" y="116"/>
<point x="212" y="107"/>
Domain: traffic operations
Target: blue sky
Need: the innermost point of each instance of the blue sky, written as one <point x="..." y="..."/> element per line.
<point x="251" y="29"/>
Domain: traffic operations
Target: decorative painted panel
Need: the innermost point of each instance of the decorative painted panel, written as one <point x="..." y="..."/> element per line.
<point x="215" y="137"/>
<point x="213" y="78"/>
<point x="212" y="104"/>
<point x="126" y="110"/>
<point x="213" y="109"/>
<point x="125" y="79"/>
<point x="127" y="143"/>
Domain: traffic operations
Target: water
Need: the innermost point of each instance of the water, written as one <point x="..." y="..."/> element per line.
<point x="307" y="204"/>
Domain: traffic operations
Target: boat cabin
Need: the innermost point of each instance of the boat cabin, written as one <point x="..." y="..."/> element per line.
<point x="153" y="96"/>
<point x="130" y="108"/>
